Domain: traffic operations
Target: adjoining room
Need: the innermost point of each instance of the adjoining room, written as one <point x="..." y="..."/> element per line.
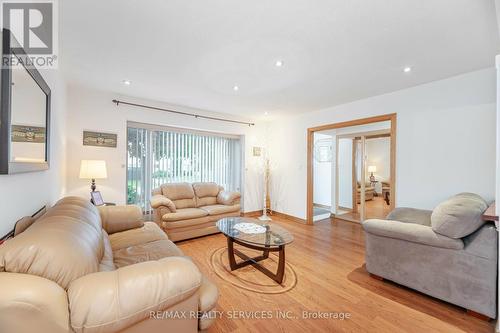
<point x="346" y="180"/>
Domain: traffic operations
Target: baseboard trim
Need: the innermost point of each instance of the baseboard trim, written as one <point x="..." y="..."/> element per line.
<point x="284" y="216"/>
<point x="255" y="213"/>
<point x="289" y="217"/>
<point x="322" y="206"/>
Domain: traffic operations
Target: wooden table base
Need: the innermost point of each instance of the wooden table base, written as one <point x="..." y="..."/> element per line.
<point x="231" y="251"/>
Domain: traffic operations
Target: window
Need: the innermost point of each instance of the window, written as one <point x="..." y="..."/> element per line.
<point x="156" y="156"/>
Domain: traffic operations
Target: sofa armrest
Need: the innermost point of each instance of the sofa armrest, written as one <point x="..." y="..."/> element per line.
<point x="206" y="306"/>
<point x="159" y="200"/>
<point x="29" y="303"/>
<point x="411" y="232"/>
<point x="228" y="198"/>
<point x="111" y="301"/>
<point x="411" y="215"/>
<point x="121" y="218"/>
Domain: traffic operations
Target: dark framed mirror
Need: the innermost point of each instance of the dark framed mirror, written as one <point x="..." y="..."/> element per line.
<point x="24" y="111"/>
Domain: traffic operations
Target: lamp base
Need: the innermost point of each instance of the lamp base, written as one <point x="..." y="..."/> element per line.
<point x="93" y="187"/>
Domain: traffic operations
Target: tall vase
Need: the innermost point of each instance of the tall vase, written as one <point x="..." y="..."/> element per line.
<point x="264" y="216"/>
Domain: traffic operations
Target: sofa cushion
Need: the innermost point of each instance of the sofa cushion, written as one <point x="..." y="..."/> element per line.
<point x="141" y="244"/>
<point x="150" y="232"/>
<point x="78" y="208"/>
<point x="184" y="214"/>
<point x="181" y="194"/>
<point x="145" y="252"/>
<point x="122" y="300"/>
<point x="176" y="191"/>
<point x="206" y="193"/>
<point x="206" y="201"/>
<point x="200" y="222"/>
<point x="184" y="203"/>
<point x="206" y="189"/>
<point x="63" y="245"/>
<point x="121" y="218"/>
<point x="220" y="209"/>
<point x="459" y="216"/>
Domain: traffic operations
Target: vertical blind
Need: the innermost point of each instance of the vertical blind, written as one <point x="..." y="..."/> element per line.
<point x="156" y="157"/>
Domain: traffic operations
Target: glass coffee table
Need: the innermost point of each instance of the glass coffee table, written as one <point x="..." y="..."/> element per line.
<point x="255" y="235"/>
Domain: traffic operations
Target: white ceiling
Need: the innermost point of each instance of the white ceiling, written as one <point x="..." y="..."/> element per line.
<point x="192" y="53"/>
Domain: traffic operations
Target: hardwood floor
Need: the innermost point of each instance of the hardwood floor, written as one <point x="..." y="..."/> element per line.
<point x="374" y="209"/>
<point x="329" y="261"/>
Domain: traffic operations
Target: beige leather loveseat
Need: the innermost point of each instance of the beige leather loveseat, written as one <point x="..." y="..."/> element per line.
<point x="186" y="210"/>
<point x="65" y="274"/>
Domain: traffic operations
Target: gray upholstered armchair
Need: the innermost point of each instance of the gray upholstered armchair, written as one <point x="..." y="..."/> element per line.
<point x="448" y="253"/>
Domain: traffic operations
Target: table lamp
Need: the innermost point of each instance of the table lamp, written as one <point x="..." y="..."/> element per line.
<point x="93" y="169"/>
<point x="372" y="169"/>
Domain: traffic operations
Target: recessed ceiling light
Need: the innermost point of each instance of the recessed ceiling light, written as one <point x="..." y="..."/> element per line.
<point x="407" y="69"/>
<point x="278" y="63"/>
<point x="236" y="88"/>
<point x="266" y="113"/>
<point x="127" y="82"/>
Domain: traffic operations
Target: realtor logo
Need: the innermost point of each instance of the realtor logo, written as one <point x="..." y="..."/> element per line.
<point x="33" y="25"/>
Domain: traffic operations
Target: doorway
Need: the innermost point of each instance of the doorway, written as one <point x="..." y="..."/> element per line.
<point x="323" y="174"/>
<point x="363" y="172"/>
<point x="353" y="162"/>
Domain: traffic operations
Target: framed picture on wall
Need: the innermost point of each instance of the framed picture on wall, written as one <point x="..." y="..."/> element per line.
<point x="257" y="151"/>
<point x="98" y="139"/>
<point x="97" y="198"/>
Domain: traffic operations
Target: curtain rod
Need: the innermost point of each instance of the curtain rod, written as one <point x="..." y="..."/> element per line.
<point x="118" y="102"/>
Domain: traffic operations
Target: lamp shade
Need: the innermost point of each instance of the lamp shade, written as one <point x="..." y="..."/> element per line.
<point x="93" y="169"/>
<point x="372" y="168"/>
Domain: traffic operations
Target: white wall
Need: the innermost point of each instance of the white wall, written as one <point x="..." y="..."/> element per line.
<point x="322" y="177"/>
<point x="445" y="141"/>
<point x="23" y="194"/>
<point x="90" y="109"/>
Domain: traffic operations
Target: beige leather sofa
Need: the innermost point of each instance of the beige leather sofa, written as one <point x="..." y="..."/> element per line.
<point x="80" y="269"/>
<point x="186" y="210"/>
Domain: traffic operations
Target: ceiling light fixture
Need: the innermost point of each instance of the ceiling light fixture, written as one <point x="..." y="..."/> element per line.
<point x="266" y="113"/>
<point x="407" y="69"/>
<point x="127" y="82"/>
<point x="236" y="88"/>
<point x="278" y="63"/>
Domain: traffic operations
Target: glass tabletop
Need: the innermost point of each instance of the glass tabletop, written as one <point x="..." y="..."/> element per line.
<point x="253" y="231"/>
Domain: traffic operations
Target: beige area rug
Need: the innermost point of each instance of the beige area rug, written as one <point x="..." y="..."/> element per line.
<point x="248" y="277"/>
